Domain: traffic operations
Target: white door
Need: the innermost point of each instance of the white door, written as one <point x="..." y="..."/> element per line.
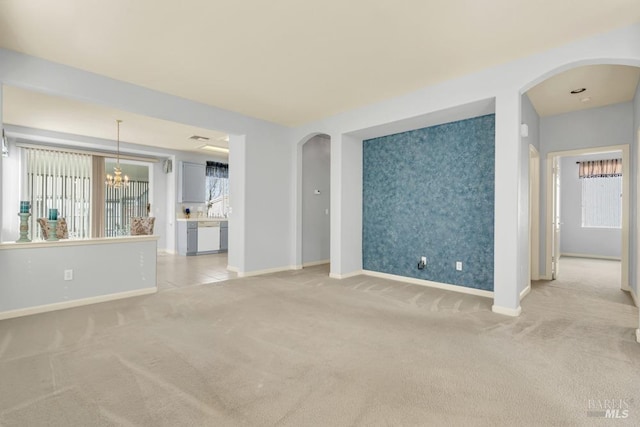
<point x="555" y="253"/>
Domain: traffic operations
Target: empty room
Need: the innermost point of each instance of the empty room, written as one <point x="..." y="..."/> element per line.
<point x="344" y="213"/>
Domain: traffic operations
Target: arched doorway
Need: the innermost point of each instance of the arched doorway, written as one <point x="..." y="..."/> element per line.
<point x="313" y="201"/>
<point x="593" y="127"/>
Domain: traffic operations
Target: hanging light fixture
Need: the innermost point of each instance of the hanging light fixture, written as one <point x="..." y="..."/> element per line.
<point x="117" y="180"/>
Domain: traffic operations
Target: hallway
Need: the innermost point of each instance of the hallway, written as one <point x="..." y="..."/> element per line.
<point x="597" y="279"/>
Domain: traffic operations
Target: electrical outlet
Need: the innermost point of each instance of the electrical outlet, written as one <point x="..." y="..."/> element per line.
<point x="459" y="265"/>
<point x="68" y="275"/>
<point x="423" y="262"/>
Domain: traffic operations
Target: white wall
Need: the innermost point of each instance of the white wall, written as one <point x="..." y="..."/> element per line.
<point x="532" y="120"/>
<point x="634" y="254"/>
<point x="316" y="172"/>
<point x="2" y="178"/>
<point x="33" y="275"/>
<point x="596" y="127"/>
<point x="574" y="239"/>
<point x="346" y="205"/>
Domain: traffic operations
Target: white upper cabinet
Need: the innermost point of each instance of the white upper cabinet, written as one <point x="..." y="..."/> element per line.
<point x="191" y="187"/>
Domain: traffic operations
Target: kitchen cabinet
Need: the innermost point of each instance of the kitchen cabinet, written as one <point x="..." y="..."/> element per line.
<point x="187" y="237"/>
<point x="191" y="186"/>
<point x="202" y="236"/>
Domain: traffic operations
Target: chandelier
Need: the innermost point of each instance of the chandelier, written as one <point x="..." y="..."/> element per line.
<point x="117" y="180"/>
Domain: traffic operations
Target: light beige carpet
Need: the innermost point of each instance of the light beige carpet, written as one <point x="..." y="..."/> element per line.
<point x="298" y="348"/>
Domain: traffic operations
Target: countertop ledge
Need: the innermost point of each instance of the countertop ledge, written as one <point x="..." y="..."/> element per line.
<point x="76" y="242"/>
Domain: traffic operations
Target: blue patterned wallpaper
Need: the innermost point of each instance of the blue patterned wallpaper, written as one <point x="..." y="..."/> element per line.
<point x="430" y="192"/>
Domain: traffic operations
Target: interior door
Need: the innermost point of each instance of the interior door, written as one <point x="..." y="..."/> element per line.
<point x="555" y="253"/>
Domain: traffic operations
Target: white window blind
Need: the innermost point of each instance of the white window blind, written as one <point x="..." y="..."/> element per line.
<point x="602" y="202"/>
<point x="61" y="180"/>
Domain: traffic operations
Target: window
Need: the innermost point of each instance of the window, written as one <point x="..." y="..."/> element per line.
<point x="74" y="184"/>
<point x="120" y="204"/>
<point x="602" y="202"/>
<point x="59" y="180"/>
<point x="217" y="187"/>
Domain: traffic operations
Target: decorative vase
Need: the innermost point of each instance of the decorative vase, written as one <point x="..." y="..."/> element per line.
<point x="53" y="236"/>
<point x="24" y="227"/>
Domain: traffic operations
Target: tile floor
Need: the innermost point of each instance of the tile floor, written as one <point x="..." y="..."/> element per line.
<point x="177" y="271"/>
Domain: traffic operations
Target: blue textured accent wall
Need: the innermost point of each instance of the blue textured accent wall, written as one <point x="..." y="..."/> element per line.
<point x="430" y="192"/>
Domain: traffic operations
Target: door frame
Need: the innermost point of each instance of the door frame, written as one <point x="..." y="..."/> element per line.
<point x="626" y="177"/>
<point x="534" y="213"/>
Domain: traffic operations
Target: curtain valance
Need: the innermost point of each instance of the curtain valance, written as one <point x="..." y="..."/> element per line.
<point x="600" y="168"/>
<point x="217" y="170"/>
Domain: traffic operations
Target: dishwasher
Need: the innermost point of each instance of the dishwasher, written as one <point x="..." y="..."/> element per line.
<point x="208" y="236"/>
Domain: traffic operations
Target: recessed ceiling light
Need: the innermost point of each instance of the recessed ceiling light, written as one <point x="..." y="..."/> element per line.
<point x="214" y="148"/>
<point x="199" y="138"/>
<point x="576" y="91"/>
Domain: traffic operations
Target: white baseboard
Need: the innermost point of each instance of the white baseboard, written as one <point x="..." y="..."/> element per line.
<point x="232" y="269"/>
<point x="75" y="303"/>
<point x="346" y="276"/>
<point x="525" y="292"/>
<point x="430" y="284"/>
<point x="513" y="312"/>
<point x="638" y="335"/>
<point x="266" y="271"/>
<point x="576" y="255"/>
<point x="314" y="263"/>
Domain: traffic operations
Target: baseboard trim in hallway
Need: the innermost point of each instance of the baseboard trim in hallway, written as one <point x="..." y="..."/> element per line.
<point x="591" y="256"/>
<point x="10" y="314"/>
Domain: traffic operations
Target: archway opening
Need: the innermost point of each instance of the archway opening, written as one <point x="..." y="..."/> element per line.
<point x="587" y="109"/>
<point x="314" y="195"/>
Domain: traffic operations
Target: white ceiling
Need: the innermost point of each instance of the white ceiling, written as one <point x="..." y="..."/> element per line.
<point x="292" y="61"/>
<point x="604" y="84"/>
<point x="39" y="111"/>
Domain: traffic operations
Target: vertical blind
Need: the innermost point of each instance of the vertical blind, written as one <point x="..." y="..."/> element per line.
<point x="60" y="180"/>
<point x="601" y="193"/>
<point x="602" y="202"/>
<point x="123" y="203"/>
